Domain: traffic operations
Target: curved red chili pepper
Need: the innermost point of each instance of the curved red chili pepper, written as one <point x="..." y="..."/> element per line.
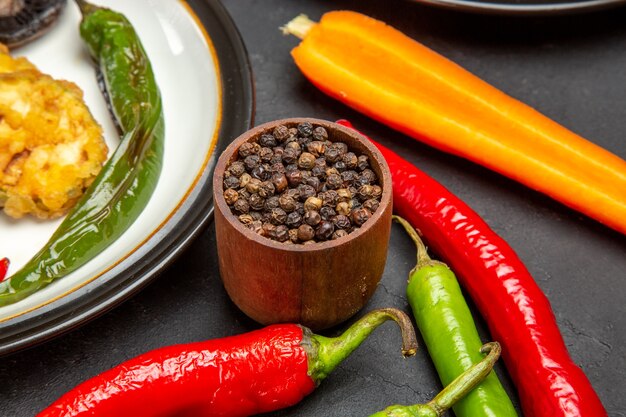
<point x="237" y="376"/>
<point x="4" y="268"/>
<point x="517" y="312"/>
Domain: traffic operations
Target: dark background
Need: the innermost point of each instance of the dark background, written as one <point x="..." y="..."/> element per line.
<point x="572" y="68"/>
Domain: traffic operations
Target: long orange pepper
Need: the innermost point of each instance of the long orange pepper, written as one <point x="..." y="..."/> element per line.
<point x="390" y="77"/>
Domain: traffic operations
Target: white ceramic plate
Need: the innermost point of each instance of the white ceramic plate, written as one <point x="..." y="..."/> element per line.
<point x="203" y="73"/>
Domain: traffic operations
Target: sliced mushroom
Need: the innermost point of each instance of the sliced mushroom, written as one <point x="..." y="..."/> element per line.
<point x="24" y="20"/>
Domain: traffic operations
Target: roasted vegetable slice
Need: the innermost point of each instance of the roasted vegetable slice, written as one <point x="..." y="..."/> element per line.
<point x="51" y="148"/>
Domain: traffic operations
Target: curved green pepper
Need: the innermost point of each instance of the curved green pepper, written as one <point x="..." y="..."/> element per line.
<point x="450" y="334"/>
<point x="122" y="189"/>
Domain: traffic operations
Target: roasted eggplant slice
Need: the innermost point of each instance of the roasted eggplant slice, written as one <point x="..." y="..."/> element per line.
<point x="25" y="20"/>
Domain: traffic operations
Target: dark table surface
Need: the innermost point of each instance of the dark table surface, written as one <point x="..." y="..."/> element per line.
<point x="572" y="68"/>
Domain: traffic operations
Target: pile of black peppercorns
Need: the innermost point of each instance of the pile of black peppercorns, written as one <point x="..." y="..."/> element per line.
<point x="295" y="185"/>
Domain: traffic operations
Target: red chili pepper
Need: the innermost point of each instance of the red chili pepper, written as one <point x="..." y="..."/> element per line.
<point x="4" y="268"/>
<point x="237" y="376"/>
<point x="517" y="312"/>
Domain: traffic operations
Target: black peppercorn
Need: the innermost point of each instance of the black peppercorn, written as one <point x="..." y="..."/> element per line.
<point x="281" y="233"/>
<point x="372" y="204"/>
<point x="244" y="179"/>
<point x="332" y="154"/>
<point x="237" y="168"/>
<point x="256" y="202"/>
<point x="305" y="129"/>
<point x="350" y="159"/>
<point x="365" y="192"/>
<point x="272" y="203"/>
<point x="287" y="202"/>
<point x="246" y="219"/>
<point x="231" y="196"/>
<point x="253" y="185"/>
<point x="243" y="193"/>
<point x="231" y="182"/>
<point x="339" y="233"/>
<point x="349" y="177"/>
<point x="305" y="233"/>
<point x="363" y="162"/>
<point x="295" y="146"/>
<point x="360" y="216"/>
<point x="367" y="176"/>
<point x="300" y="208"/>
<point x="319" y="172"/>
<point x="261" y="172"/>
<point x="267" y="140"/>
<point x="377" y="191"/>
<point x="256" y="215"/>
<point x="294" y="219"/>
<point x="312" y="218"/>
<point x="256" y="226"/>
<point x="293" y="235"/>
<point x="281" y="133"/>
<point x="327" y="213"/>
<point x="340" y="166"/>
<point x="341" y="221"/>
<point x="341" y="147"/>
<point x="320" y="133"/>
<point x="294" y="178"/>
<point x="330" y="198"/>
<point x="343" y="194"/>
<point x="278" y="168"/>
<point x="246" y="149"/>
<point x="290" y="156"/>
<point x="306" y="161"/>
<point x="306" y="191"/>
<point x="334" y="181"/>
<point x="316" y="148"/>
<point x="266" y="189"/>
<point x="269" y="230"/>
<point x="313" y="182"/>
<point x="324" y="230"/>
<point x="266" y="154"/>
<point x="241" y="206"/>
<point x="279" y="216"/>
<point x="252" y="161"/>
<point x="343" y="208"/>
<point x="280" y="182"/>
<point x="312" y="203"/>
<point x="291" y="167"/>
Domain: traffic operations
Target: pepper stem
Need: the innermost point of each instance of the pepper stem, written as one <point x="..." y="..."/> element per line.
<point x="456" y="390"/>
<point x="466" y="382"/>
<point x="299" y="26"/>
<point x="330" y="352"/>
<point x="86" y="7"/>
<point x="422" y="253"/>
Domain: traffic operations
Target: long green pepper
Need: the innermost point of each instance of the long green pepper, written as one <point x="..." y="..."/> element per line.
<point x="125" y="184"/>
<point x="450" y="334"/>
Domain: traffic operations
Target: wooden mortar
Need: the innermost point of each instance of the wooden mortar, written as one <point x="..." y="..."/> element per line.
<point x="318" y="285"/>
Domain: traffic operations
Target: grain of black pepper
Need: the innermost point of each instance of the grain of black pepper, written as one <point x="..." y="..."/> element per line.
<point x="312" y="218"/>
<point x="305" y="233"/>
<point x="256" y="202"/>
<point x="241" y="206"/>
<point x="324" y="230"/>
<point x="231" y="196"/>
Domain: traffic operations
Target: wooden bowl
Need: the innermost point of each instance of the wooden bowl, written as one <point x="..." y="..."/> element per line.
<point x="318" y="285"/>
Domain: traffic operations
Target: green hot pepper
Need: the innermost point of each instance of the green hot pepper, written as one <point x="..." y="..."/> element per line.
<point x="122" y="189"/>
<point x="455" y="391"/>
<point x="449" y="332"/>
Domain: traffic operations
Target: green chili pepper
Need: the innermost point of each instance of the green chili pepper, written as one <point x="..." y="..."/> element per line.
<point x="123" y="187"/>
<point x="449" y="332"/>
<point x="455" y="391"/>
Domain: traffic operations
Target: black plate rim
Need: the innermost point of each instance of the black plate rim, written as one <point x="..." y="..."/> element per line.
<point x="186" y="222"/>
<point x="524" y="9"/>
